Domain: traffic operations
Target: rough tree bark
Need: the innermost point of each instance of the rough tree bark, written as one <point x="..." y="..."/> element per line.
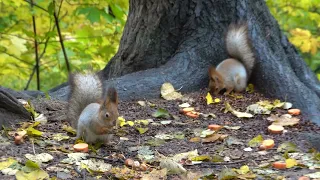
<point x="176" y="41"/>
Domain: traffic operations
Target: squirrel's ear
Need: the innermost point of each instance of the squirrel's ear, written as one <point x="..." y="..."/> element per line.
<point x="211" y="70"/>
<point x="112" y="95"/>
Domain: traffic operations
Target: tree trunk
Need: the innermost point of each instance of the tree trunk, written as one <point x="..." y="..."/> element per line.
<point x="11" y="110"/>
<point x="176" y="41"/>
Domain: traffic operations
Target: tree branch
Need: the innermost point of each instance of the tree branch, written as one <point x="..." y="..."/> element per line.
<point x="36" y="47"/>
<point x="61" y="40"/>
<point x="15" y="57"/>
<point x="33" y="4"/>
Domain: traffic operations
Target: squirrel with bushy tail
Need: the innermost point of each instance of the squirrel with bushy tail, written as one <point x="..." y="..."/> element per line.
<point x="233" y="73"/>
<point x="91" y="111"/>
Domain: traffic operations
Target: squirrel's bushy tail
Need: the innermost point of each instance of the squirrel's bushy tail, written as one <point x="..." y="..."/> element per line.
<point x="238" y="45"/>
<point x="84" y="89"/>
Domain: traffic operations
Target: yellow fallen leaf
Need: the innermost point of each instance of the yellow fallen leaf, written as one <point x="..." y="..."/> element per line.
<point x="243" y="170"/>
<point x="209" y="99"/>
<point x="291" y="162"/>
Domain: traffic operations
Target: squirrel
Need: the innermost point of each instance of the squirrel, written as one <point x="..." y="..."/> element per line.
<point x="233" y="73"/>
<point x="92" y="113"/>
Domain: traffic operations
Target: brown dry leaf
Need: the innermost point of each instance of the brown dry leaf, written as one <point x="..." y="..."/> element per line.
<point x="211" y="138"/>
<point x="283" y="120"/>
<point x="195" y="139"/>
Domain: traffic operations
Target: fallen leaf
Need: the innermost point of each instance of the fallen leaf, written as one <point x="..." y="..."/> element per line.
<point x="37" y="174"/>
<point x="60" y="137"/>
<point x="315" y="175"/>
<point x="287" y="105"/>
<point x="206" y="133"/>
<point x="9" y="171"/>
<point x="226" y="174"/>
<point x="7" y="163"/>
<point x="291" y="162"/>
<point x="233" y="141"/>
<point x="69" y="129"/>
<point x="209" y="98"/>
<point x="142" y="130"/>
<point x="144" y="122"/>
<point x="250" y="88"/>
<point x="39" y="158"/>
<point x="277" y="103"/>
<point x="195" y="139"/>
<point x="184" y="105"/>
<point x="201" y="158"/>
<point x="228" y="108"/>
<point x="185" y="155"/>
<point x="211" y="138"/>
<point x="168" y="92"/>
<point x="172" y="166"/>
<point x="161" y="113"/>
<point x="74" y="157"/>
<point x="164" y="136"/>
<point x="142" y="103"/>
<point x="283" y="120"/>
<point x="156" y="142"/>
<point x="287" y="147"/>
<point x="145" y="153"/>
<point x="155" y="175"/>
<point x="258" y="109"/>
<point x="41" y="118"/>
<point x="208" y="115"/>
<point x="256" y="141"/>
<point x="243" y="170"/>
<point x="96" y="165"/>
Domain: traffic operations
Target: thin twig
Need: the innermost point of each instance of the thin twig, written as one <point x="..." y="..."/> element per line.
<point x="61" y="41"/>
<point x="36" y="47"/>
<point x="221" y="163"/>
<point x="33" y="4"/>
<point x="34" y="151"/>
<point x="15" y="57"/>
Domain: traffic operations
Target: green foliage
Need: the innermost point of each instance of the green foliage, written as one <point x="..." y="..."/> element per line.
<point x="91" y="31"/>
<point x="299" y="19"/>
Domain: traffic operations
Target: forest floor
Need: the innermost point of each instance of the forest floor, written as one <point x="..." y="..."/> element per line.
<point x="172" y="142"/>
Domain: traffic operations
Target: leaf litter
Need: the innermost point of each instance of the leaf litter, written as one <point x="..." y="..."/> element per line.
<point x="186" y="146"/>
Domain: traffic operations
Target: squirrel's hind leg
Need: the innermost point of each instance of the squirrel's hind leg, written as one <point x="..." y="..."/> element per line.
<point x="229" y="89"/>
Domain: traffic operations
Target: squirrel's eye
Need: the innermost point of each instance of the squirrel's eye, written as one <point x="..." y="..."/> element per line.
<point x="107" y="115"/>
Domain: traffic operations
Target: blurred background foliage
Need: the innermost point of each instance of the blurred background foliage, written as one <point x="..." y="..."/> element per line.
<point x="92" y="29"/>
<point x="300" y="21"/>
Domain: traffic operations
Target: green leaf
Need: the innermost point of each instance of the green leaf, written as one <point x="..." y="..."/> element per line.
<point x="256" y="141"/>
<point x="108" y="17"/>
<point x="92" y="13"/>
<point x="33" y="132"/>
<point x="30" y="166"/>
<point x="287" y="147"/>
<point x="227" y="174"/>
<point x="51" y="8"/>
<point x="161" y="113"/>
<point x="142" y="130"/>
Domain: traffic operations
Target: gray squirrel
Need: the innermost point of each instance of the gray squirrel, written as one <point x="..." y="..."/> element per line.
<point x="92" y="113"/>
<point x="233" y="73"/>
